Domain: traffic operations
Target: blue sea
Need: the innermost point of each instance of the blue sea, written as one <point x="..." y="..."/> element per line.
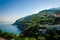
<point x="6" y="27"/>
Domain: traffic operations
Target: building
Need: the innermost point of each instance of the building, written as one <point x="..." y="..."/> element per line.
<point x="57" y="16"/>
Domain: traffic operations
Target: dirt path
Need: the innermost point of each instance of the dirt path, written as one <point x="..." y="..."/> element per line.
<point x="2" y="38"/>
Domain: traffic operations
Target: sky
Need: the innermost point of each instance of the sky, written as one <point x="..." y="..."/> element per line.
<point x="11" y="10"/>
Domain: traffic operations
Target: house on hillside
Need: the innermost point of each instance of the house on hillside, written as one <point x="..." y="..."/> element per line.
<point x="57" y="16"/>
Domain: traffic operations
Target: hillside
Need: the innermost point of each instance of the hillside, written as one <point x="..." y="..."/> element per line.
<point x="42" y="17"/>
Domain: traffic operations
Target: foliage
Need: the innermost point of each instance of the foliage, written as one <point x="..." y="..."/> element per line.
<point x="32" y="29"/>
<point x="41" y="38"/>
<point x="43" y="17"/>
<point x="7" y="35"/>
<point x="0" y="32"/>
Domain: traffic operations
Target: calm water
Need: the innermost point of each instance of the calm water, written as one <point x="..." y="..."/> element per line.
<point x="5" y="27"/>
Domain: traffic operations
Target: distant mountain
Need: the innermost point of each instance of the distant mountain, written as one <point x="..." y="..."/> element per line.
<point x="31" y="19"/>
<point x="55" y="8"/>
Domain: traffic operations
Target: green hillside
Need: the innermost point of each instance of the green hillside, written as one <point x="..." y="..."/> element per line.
<point x="41" y="18"/>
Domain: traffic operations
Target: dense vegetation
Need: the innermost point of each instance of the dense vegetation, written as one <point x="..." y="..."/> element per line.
<point x="35" y="27"/>
<point x="43" y="17"/>
<point x="34" y="33"/>
<point x="7" y="35"/>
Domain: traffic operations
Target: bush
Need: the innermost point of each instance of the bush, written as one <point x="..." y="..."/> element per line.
<point x="11" y="36"/>
<point x="32" y="39"/>
<point x="25" y="38"/>
<point x="41" y="38"/>
<point x="0" y="32"/>
<point x="5" y="35"/>
<point x="57" y="37"/>
<point x="18" y="38"/>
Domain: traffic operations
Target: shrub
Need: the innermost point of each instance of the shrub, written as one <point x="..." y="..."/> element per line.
<point x="41" y="38"/>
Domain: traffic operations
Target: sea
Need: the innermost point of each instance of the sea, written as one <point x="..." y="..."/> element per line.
<point x="8" y="27"/>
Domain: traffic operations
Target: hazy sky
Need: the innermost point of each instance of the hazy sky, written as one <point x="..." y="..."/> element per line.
<point x="11" y="10"/>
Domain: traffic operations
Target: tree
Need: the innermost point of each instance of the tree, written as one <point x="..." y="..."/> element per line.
<point x="56" y="37"/>
<point x="11" y="36"/>
<point x="41" y="38"/>
<point x="5" y="35"/>
<point x="0" y="32"/>
<point x="32" y="39"/>
<point x="25" y="38"/>
<point x="18" y="38"/>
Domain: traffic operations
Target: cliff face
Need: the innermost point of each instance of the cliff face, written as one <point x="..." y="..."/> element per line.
<point x="43" y="17"/>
